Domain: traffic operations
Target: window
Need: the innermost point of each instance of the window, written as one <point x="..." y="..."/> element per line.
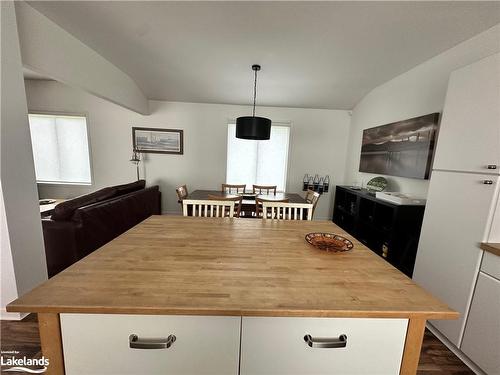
<point x="60" y="148"/>
<point x="258" y="162"/>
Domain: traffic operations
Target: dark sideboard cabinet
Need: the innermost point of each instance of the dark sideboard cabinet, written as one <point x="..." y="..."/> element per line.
<point x="389" y="230"/>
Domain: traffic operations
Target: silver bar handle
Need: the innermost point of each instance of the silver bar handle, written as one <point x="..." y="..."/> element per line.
<point x="152" y="343"/>
<point x="320" y="342"/>
<point x="491" y="166"/>
<point x="488" y="182"/>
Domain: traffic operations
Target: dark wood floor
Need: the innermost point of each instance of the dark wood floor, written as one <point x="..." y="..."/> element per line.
<point x="435" y="359"/>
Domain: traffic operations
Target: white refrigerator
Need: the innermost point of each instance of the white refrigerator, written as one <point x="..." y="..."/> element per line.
<point x="463" y="194"/>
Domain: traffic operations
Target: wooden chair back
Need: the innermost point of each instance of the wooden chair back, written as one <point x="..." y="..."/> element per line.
<point x="264" y="189"/>
<point x="233" y="189"/>
<point x="260" y="201"/>
<point x="237" y="202"/>
<point x="207" y="208"/>
<point x="287" y="211"/>
<point x="312" y="197"/>
<point x="182" y="192"/>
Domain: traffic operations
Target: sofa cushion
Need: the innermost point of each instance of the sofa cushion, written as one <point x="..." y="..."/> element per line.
<point x="64" y="210"/>
<point x="128" y="188"/>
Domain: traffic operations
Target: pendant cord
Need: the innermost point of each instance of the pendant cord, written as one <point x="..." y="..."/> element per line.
<point x="254" y="92"/>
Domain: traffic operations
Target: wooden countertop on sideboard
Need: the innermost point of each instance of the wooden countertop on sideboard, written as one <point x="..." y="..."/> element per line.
<point x="248" y="267"/>
<point x="491" y="247"/>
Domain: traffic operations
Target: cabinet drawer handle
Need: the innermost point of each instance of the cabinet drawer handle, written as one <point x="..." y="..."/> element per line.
<point x="491" y="166"/>
<point x="488" y="182"/>
<point x="320" y="342"/>
<point x="153" y="343"/>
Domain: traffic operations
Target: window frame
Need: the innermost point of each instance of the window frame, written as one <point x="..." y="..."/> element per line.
<point x="89" y="146"/>
<point x="287" y="124"/>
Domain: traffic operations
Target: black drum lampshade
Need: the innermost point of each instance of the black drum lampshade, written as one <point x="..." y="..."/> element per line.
<point x="253" y="127"/>
<point x="250" y="127"/>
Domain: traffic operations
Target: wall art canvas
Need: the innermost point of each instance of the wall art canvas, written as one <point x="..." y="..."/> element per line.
<point x="403" y="148"/>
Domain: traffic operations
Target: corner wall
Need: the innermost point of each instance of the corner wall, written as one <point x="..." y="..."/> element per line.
<point x="22" y="241"/>
<point x="417" y="92"/>
<point x="8" y="285"/>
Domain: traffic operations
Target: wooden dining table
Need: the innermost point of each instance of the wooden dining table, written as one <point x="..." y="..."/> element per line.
<point x="248" y="201"/>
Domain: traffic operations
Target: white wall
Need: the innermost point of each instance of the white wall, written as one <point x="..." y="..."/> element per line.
<point x="318" y="142"/>
<point x="8" y="277"/>
<point x="48" y="49"/>
<point x="417" y="92"/>
<point x="22" y="240"/>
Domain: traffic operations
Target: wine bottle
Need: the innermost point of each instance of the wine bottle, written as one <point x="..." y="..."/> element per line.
<point x="316" y="183"/>
<point x="326" y="184"/>
<point x="320" y="186"/>
<point x="305" y="182"/>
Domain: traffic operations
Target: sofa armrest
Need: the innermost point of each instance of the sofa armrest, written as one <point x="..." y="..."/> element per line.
<point x="60" y="242"/>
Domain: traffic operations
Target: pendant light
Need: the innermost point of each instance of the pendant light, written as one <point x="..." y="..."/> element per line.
<point x="252" y="127"/>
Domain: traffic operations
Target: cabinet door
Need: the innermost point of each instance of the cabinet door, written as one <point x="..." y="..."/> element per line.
<point x="482" y="334"/>
<point x="494" y="235"/>
<point x="448" y="256"/>
<point x="491" y="265"/>
<point x="469" y="135"/>
<point x="99" y="344"/>
<point x="276" y="346"/>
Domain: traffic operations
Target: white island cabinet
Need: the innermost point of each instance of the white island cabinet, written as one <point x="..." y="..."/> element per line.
<point x="182" y="345"/>
<point x="217" y="345"/>
<point x="315" y="346"/>
<point x="212" y="296"/>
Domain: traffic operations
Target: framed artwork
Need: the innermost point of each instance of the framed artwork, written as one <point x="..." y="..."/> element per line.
<point x="158" y="141"/>
<point x="403" y="148"/>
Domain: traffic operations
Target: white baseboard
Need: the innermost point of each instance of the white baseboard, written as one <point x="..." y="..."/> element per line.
<point x="455" y="350"/>
<point x="4" y="315"/>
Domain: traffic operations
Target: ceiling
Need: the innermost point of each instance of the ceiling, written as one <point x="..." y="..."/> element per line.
<point x="313" y="54"/>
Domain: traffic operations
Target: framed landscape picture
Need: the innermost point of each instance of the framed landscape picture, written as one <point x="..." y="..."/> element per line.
<point x="404" y="148"/>
<point x="158" y="141"/>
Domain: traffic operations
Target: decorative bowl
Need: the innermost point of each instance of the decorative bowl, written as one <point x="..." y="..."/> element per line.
<point x="329" y="242"/>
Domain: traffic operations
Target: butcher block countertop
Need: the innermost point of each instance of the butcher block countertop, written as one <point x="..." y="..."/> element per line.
<point x="491" y="247"/>
<point x="240" y="267"/>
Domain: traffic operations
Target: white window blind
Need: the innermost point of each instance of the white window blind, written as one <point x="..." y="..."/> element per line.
<point x="258" y="162"/>
<point x="60" y="148"/>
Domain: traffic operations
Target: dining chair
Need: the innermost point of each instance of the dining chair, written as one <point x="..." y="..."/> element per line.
<point x="182" y="193"/>
<point x="287" y="211"/>
<point x="312" y="197"/>
<point x="207" y="208"/>
<point x="259" y="201"/>
<point x="233" y="189"/>
<point x="259" y="189"/>
<point x="237" y="202"/>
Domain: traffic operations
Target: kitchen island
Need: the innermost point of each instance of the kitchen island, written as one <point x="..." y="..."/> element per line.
<point x="229" y="296"/>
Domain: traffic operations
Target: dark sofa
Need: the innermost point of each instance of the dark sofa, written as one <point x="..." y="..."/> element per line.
<point x="83" y="224"/>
